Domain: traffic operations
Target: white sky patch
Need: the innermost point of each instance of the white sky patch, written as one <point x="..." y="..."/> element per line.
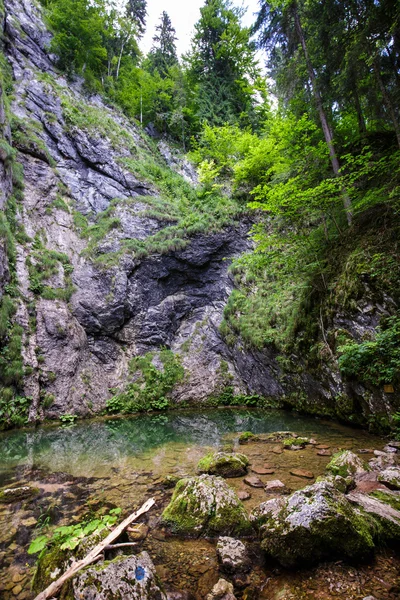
<point x="184" y="14"/>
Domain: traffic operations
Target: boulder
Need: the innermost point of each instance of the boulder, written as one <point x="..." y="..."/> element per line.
<point x="205" y="505"/>
<point x="390" y="477"/>
<point x="16" y="494"/>
<point x="346" y="463"/>
<point x="384" y="508"/>
<point x="223" y="590"/>
<point x="295" y="443"/>
<point x="311" y="525"/>
<point x="132" y="577"/>
<point x="224" y="464"/>
<point x="233" y="556"/>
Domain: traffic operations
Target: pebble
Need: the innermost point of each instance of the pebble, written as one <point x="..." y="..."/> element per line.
<point x="277" y="450"/>
<point x="243" y="495"/>
<point x="390" y="449"/>
<point x="17" y="590"/>
<point x="302" y="473"/>
<point x="365" y="451"/>
<point x="324" y="453"/>
<point x="275" y="486"/>
<point x="322" y="447"/>
<point x="394" y="444"/>
<point x="17" y="577"/>
<point x="253" y="482"/>
<point x="262" y="471"/>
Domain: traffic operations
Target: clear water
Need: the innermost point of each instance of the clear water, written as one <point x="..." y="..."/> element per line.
<point x="96" y="447"/>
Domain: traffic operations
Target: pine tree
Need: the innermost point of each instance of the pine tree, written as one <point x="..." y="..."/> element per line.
<point x="222" y="66"/>
<point x="163" y="54"/>
<point x="136" y="10"/>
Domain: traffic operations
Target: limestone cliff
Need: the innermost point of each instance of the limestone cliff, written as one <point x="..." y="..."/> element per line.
<point x="95" y="287"/>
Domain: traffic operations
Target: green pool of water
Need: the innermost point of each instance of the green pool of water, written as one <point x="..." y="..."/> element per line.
<point x="98" y="447"/>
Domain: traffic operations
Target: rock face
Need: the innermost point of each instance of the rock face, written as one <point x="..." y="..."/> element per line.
<point x="313" y="524"/>
<point x="131" y="577"/>
<point x="205" y="506"/>
<point x="112" y="301"/>
<point x="224" y="464"/>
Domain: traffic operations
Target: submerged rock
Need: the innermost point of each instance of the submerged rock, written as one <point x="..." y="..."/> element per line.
<point x="391" y="478"/>
<point x="223" y="590"/>
<point x="313" y="524"/>
<point x="132" y="577"/>
<point x="346" y="463"/>
<point x="205" y="505"/>
<point x="16" y="494"/>
<point x="224" y="464"/>
<point x="233" y="556"/>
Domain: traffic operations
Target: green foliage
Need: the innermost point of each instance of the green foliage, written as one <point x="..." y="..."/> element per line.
<point x="151" y="385"/>
<point x="67" y="420"/>
<point x="68" y="537"/>
<point x="377" y="361"/>
<point x="44" y="264"/>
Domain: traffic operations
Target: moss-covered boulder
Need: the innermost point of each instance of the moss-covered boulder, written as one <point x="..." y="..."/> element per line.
<point x="295" y="443"/>
<point x="384" y="509"/>
<point x="205" y="506"/>
<point x="347" y="464"/>
<point x="224" y="464"/>
<point x="313" y="524"/>
<point x="390" y="477"/>
<point x="246" y="437"/>
<point x="8" y="495"/>
<point x="132" y="577"/>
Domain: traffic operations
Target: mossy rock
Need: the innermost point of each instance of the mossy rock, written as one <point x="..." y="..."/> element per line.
<point x="205" y="506"/>
<point x="295" y="442"/>
<point x="246" y="437"/>
<point x="132" y="577"/>
<point x="314" y="524"/>
<point x="224" y="464"/>
<point x="53" y="561"/>
<point x="346" y="464"/>
<point x="8" y="495"/>
<point x="390" y="477"/>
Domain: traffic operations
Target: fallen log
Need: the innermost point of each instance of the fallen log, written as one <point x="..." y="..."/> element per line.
<point x="93" y="555"/>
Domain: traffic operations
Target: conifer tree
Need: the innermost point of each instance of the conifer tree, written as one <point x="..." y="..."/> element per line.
<point x="163" y="54"/>
<point x="136" y="10"/>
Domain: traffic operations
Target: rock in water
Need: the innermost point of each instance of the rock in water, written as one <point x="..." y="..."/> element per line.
<point x="132" y="577"/>
<point x="205" y="505"/>
<point x="225" y="464"/>
<point x="313" y="524"/>
<point x="233" y="556"/>
<point x="223" y="590"/>
<point x="346" y="464"/>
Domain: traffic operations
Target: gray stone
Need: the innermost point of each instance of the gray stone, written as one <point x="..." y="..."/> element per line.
<point x="223" y="590"/>
<point x="224" y="464"/>
<point x="346" y="463"/>
<point x="233" y="556"/>
<point x="131" y="577"/>
<point x="205" y="505"/>
<point x="390" y="477"/>
<point x="312" y="524"/>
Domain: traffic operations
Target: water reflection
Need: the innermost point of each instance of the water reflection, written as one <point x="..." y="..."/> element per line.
<point x="90" y="445"/>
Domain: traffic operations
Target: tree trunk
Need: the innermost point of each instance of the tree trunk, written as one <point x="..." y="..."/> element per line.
<point x="119" y="58"/>
<point x="387" y="100"/>
<point x="322" y="115"/>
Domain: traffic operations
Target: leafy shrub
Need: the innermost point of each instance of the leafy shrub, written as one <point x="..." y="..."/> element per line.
<point x="69" y="537"/>
<point x="151" y="387"/>
<point x="375" y="362"/>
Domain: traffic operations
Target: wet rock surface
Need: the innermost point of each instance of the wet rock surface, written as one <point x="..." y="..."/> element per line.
<point x="205" y="505"/>
<point x="224" y="464"/>
<point x="233" y="555"/>
<point x="133" y="577"/>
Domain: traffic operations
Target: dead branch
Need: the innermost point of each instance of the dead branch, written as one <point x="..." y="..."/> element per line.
<point x="93" y="555"/>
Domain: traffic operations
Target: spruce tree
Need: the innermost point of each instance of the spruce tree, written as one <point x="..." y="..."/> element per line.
<point x="163" y="54"/>
<point x="136" y="10"/>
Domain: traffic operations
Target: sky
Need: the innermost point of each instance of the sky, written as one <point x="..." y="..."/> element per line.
<point x="184" y="14"/>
